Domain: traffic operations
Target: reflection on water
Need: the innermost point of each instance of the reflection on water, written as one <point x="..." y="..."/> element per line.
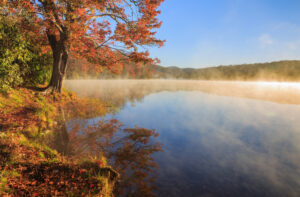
<point x="217" y="144"/>
<point x="129" y="151"/>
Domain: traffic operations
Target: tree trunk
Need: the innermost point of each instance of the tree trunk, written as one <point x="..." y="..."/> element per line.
<point x="60" y="59"/>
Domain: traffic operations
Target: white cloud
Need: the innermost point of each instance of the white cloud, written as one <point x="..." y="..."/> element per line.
<point x="265" y="40"/>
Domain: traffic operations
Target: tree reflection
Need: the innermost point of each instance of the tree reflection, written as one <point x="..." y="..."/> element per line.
<point x="129" y="151"/>
<point x="133" y="159"/>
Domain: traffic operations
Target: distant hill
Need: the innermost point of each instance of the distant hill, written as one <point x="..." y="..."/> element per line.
<point x="271" y="71"/>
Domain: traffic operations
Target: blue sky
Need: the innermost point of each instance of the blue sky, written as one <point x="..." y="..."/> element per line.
<point x="203" y="33"/>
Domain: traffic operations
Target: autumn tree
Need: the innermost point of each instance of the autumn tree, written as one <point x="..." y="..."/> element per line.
<point x="104" y="32"/>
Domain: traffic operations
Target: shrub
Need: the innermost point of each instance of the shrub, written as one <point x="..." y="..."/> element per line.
<point x="21" y="61"/>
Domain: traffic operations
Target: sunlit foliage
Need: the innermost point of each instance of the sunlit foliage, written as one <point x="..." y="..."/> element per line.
<point x="104" y="33"/>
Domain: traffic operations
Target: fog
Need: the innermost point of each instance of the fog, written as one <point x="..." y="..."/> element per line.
<point x="119" y="92"/>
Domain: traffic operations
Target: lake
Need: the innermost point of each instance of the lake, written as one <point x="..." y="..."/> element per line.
<point x="218" y="138"/>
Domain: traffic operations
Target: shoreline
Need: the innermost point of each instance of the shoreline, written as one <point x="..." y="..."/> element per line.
<point x="28" y="165"/>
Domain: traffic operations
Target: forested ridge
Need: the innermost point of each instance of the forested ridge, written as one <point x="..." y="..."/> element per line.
<point x="279" y="71"/>
<point x="286" y="70"/>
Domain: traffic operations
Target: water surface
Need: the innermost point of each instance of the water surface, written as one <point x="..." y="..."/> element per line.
<point x="218" y="138"/>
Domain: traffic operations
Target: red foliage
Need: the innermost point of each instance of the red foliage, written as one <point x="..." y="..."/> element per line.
<point x="100" y="163"/>
<point x="104" y="32"/>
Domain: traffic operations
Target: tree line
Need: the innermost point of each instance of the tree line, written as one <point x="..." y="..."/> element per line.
<point x="271" y="71"/>
<point x="288" y="70"/>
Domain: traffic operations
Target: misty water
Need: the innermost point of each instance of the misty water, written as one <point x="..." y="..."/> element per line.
<point x="218" y="138"/>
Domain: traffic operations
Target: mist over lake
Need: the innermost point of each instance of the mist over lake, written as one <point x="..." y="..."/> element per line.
<point x="218" y="138"/>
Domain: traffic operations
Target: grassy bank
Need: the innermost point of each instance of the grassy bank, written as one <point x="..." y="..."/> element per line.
<point x="28" y="165"/>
